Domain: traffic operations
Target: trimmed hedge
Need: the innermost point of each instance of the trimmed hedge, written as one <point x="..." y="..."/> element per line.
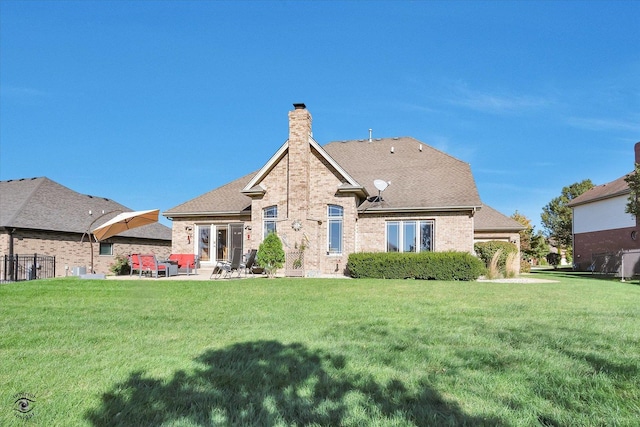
<point x="423" y="265"/>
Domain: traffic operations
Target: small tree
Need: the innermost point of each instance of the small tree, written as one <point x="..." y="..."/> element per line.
<point x="553" y="259"/>
<point x="557" y="217"/>
<point x="633" y="202"/>
<point x="270" y="254"/>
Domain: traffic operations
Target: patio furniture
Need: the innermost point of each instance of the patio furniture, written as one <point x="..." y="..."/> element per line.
<point x="187" y="263"/>
<point x="148" y="263"/>
<point x="225" y="269"/>
<point x="250" y="266"/>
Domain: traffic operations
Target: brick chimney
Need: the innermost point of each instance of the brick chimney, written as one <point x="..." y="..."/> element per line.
<point x="299" y="157"/>
<point x="636" y="149"/>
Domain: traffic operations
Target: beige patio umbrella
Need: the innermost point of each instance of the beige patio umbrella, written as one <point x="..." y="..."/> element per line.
<point x="125" y="221"/>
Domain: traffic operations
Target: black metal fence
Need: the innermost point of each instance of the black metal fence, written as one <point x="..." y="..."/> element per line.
<point x="15" y="268"/>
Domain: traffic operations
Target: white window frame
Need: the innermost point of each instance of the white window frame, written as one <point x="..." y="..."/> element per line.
<point x="333" y="219"/>
<point x="417" y="224"/>
<point x="269" y="220"/>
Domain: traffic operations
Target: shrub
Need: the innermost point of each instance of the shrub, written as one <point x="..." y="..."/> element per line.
<point x="423" y="265"/>
<point x="486" y="251"/>
<point x="120" y="266"/>
<point x="553" y="259"/>
<point x="270" y="254"/>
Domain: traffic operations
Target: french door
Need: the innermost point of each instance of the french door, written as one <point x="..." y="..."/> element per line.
<point x="216" y="242"/>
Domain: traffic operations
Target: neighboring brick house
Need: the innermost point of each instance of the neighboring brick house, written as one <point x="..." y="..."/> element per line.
<point x="38" y="215"/>
<point x="324" y="200"/>
<point x="600" y="224"/>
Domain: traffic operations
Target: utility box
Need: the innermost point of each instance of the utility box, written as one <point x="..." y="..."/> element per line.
<point x="77" y="271"/>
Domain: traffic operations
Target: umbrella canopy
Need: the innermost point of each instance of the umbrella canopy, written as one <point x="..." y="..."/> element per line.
<point x="125" y="221"/>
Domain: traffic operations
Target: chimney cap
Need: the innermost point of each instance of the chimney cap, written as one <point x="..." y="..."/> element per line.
<point x="299" y="106"/>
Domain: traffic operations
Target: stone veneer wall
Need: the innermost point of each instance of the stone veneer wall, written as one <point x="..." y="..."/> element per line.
<point x="70" y="252"/>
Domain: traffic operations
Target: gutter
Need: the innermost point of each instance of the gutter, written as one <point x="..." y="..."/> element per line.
<point x="422" y="209"/>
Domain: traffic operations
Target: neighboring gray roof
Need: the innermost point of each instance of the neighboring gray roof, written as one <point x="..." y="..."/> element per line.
<point x="43" y="204"/>
<point x="227" y="199"/>
<point x="489" y="219"/>
<point x="619" y="187"/>
<point x="420" y="180"/>
<point x="421" y="176"/>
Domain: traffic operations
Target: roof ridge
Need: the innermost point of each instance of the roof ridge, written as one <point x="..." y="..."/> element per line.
<point x="397" y="138"/>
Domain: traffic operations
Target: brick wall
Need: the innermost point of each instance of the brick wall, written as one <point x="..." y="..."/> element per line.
<point x="587" y="244"/>
<point x="70" y="252"/>
<point x="452" y="231"/>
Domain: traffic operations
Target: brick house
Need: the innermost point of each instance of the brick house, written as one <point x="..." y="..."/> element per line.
<point x="324" y="199"/>
<point x="38" y="215"/>
<point x="600" y="224"/>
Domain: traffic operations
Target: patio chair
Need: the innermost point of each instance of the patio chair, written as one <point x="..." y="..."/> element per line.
<point x="226" y="269"/>
<point x="250" y="264"/>
<point x="150" y="263"/>
<point x="134" y="264"/>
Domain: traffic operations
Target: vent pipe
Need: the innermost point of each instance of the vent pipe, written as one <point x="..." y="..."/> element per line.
<point x="370" y="135"/>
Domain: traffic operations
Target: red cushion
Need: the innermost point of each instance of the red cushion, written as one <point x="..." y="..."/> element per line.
<point x="183" y="260"/>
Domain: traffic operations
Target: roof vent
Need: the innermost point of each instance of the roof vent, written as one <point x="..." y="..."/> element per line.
<point x="299" y="106"/>
<point x="370" y="134"/>
<point x="393" y="149"/>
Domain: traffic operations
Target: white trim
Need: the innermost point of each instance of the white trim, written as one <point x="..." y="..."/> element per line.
<point x="278" y="155"/>
<point x="266" y="168"/>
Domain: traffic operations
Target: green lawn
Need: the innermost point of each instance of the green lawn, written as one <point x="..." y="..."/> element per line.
<point x="320" y="352"/>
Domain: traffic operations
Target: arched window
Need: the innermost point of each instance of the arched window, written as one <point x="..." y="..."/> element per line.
<point x="334" y="237"/>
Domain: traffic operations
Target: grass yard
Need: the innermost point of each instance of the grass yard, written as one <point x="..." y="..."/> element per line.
<point x="320" y="352"/>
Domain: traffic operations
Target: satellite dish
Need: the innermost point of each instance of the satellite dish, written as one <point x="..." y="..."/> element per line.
<point x="381" y="186"/>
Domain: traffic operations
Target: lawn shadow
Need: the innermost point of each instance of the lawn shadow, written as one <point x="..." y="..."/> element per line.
<point x="269" y="383"/>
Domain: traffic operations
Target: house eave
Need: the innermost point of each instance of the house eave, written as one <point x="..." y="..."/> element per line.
<point x="420" y="209"/>
<point x="171" y="216"/>
<point x="353" y="189"/>
<point x="601" y="198"/>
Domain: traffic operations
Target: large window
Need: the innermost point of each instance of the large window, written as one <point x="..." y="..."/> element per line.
<point x="334" y="219"/>
<point x="409" y="236"/>
<point x="269" y="217"/>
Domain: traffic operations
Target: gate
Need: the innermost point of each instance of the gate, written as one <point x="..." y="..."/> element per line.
<point x="17" y="268"/>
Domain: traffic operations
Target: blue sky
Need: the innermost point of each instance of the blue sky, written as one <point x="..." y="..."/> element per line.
<point x="154" y="103"/>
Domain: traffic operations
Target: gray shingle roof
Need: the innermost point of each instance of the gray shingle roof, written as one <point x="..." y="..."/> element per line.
<point x="421" y="176"/>
<point x="43" y="204"/>
<point x="614" y="188"/>
<point x="427" y="179"/>
<point x="227" y="199"/>
<point x="489" y="219"/>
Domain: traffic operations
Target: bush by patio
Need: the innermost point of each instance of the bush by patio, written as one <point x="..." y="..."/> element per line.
<point x="423" y="265"/>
